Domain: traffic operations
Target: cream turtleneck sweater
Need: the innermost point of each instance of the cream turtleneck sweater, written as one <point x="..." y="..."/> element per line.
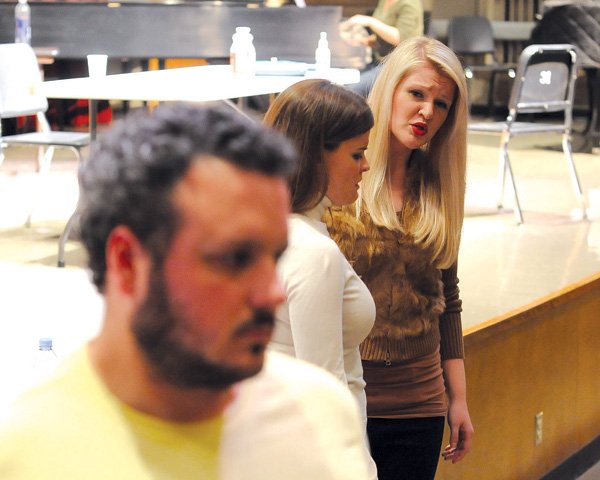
<point x="329" y="310"/>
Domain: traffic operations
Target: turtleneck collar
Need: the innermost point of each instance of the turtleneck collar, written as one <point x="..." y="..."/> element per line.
<point x="314" y="216"/>
<point x="317" y="212"/>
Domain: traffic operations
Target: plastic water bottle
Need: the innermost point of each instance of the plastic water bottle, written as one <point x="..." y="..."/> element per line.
<point x="242" y="54"/>
<point x="23" y="22"/>
<point x="323" y="54"/>
<point x="45" y="361"/>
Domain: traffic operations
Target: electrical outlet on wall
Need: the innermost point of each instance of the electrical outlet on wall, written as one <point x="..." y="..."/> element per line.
<point x="539" y="426"/>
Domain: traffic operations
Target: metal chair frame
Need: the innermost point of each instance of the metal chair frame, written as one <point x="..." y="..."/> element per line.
<point x="20" y="95"/>
<point x="545" y="83"/>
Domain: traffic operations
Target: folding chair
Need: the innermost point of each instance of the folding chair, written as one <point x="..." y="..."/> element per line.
<point x="20" y="95"/>
<point x="471" y="37"/>
<point x="545" y="84"/>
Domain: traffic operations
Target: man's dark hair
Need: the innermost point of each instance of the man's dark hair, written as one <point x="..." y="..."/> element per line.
<point x="130" y="175"/>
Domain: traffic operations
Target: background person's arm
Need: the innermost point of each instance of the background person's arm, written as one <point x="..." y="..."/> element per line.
<point x="389" y="33"/>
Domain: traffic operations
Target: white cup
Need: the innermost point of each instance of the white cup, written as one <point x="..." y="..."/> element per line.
<point x="97" y="65"/>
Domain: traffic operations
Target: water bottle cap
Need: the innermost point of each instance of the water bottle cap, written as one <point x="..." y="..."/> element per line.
<point x="323" y="40"/>
<point x="245" y="30"/>
<point x="45" y="343"/>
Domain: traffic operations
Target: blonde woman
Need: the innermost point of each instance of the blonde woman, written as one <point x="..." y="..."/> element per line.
<point x="402" y="237"/>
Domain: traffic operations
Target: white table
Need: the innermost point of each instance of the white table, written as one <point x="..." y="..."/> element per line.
<point x="193" y="84"/>
<point x="189" y="84"/>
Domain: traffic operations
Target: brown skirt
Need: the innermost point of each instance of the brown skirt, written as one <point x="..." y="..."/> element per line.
<point x="407" y="389"/>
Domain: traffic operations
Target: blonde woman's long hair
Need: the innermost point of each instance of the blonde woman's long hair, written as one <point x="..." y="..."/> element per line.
<point x="435" y="222"/>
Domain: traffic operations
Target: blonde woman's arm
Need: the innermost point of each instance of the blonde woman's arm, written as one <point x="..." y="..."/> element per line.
<point x="459" y="421"/>
<point x="453" y="366"/>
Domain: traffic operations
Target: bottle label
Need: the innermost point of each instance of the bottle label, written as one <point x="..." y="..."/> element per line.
<point x="242" y="56"/>
<point x="22" y="30"/>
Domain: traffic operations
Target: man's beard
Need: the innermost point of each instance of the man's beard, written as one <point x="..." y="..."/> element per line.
<point x="156" y="329"/>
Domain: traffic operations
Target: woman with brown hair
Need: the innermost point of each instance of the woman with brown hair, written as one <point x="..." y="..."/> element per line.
<point x="328" y="310"/>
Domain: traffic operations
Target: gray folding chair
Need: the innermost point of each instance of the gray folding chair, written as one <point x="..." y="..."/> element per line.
<point x="545" y="84"/>
<point x="21" y="95"/>
<point x="471" y="37"/>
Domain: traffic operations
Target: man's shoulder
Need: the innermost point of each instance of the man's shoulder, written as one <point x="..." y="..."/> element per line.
<point x="296" y="389"/>
<point x="295" y="375"/>
<point x="292" y="390"/>
<point x="296" y="418"/>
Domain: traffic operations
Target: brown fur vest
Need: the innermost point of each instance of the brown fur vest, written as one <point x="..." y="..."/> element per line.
<point x="406" y="287"/>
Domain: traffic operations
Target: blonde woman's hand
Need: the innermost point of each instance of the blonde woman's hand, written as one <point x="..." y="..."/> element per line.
<point x="461" y="432"/>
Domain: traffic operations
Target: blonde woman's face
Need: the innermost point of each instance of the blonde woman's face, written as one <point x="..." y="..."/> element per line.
<point x="345" y="166"/>
<point x="420" y="107"/>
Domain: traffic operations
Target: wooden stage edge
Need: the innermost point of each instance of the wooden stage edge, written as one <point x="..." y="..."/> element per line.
<point x="533" y="309"/>
<point x="542" y="358"/>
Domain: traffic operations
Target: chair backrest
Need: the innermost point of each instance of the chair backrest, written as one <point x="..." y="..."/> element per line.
<point x="470" y="35"/>
<point x="20" y="81"/>
<point x="545" y="81"/>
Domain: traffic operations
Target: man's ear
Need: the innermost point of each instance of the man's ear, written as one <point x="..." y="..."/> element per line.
<point x="127" y="262"/>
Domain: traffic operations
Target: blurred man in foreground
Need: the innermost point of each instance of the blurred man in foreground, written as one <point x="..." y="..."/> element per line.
<point x="184" y="215"/>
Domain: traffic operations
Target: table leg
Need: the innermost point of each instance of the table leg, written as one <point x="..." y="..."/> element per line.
<point x="93" y="113"/>
<point x="238" y="108"/>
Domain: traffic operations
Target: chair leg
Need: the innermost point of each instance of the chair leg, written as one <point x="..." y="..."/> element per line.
<point x="468" y="76"/>
<point x="1" y="145"/>
<point x="502" y="157"/>
<point x="518" y="212"/>
<point x="64" y="236"/>
<point x="490" y="99"/>
<point x="568" y="151"/>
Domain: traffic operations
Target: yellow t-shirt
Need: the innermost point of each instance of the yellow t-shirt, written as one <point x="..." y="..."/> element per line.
<point x="171" y="450"/>
<point x="115" y="441"/>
